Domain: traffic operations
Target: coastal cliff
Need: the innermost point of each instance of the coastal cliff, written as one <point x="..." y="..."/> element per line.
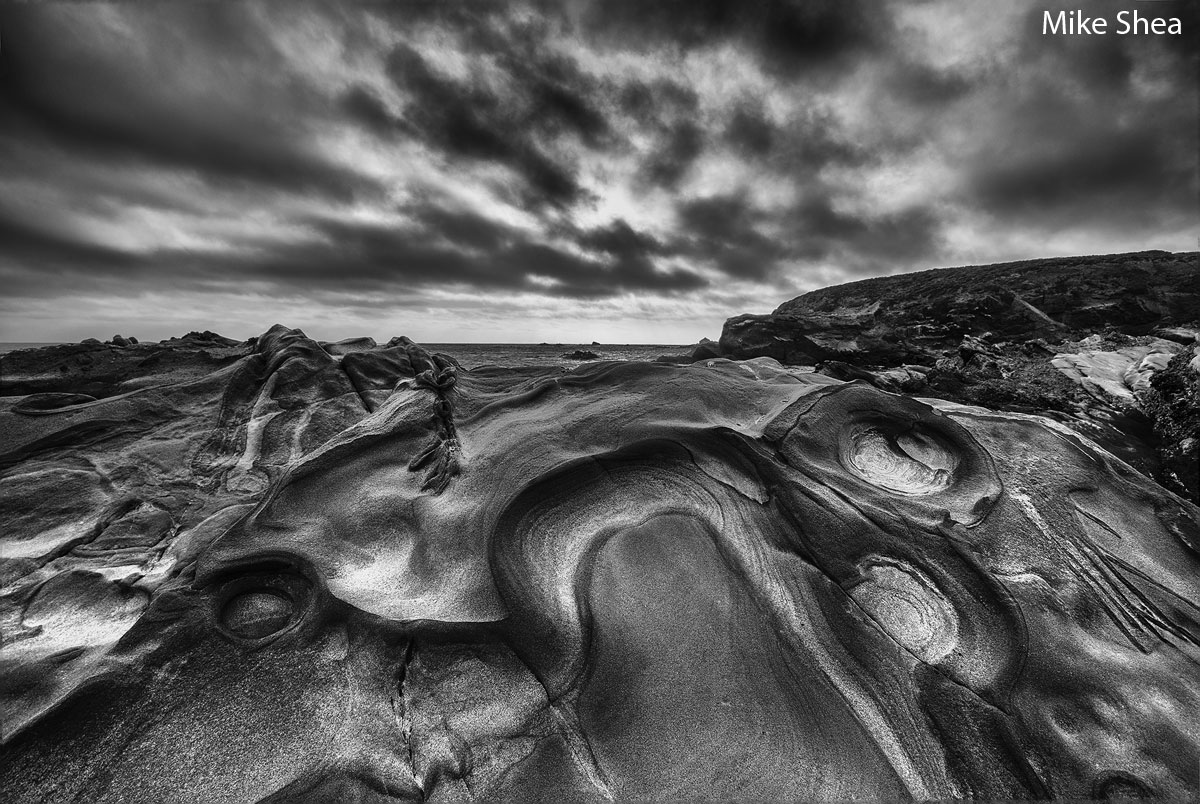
<point x="920" y="317"/>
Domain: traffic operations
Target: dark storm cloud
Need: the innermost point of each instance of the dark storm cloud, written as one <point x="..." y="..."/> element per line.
<point x="750" y="132"/>
<point x="815" y="141"/>
<point x="363" y="106"/>
<point x="560" y="99"/>
<point x="621" y="240"/>
<point x="462" y="247"/>
<point x="923" y="85"/>
<point x="723" y="229"/>
<point x="1090" y="170"/>
<point x="462" y="228"/>
<point x="787" y="36"/>
<point x="544" y="99"/>
<point x="371" y="256"/>
<point x="796" y="35"/>
<point x="654" y="104"/>
<point x="729" y="230"/>
<point x="448" y="247"/>
<point x="117" y="100"/>
<point x="27" y="244"/>
<point x="467" y="120"/>
<point x="862" y="241"/>
<point x="675" y="156"/>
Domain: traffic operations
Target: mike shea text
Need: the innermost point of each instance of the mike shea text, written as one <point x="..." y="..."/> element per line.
<point x="1075" y="23"/>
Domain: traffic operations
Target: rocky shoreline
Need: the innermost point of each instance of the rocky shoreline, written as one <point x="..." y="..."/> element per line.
<point x="291" y="570"/>
<point x="1109" y="345"/>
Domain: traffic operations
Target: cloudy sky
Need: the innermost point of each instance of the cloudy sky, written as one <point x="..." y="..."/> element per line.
<point x="617" y="171"/>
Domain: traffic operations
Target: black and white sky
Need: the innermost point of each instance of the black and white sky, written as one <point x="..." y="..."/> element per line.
<point x="621" y="171"/>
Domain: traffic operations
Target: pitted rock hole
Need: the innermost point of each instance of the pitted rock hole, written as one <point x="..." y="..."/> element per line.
<point x="257" y="614"/>
<point x="1118" y="786"/>
<point x="909" y="607"/>
<point x="906" y="463"/>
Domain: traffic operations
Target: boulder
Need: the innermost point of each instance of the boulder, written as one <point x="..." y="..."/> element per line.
<point x="208" y="337"/>
<point x="706" y="349"/>
<point x="348" y="346"/>
<point x="1121" y="374"/>
<point x="1173" y="404"/>
<point x="1184" y="335"/>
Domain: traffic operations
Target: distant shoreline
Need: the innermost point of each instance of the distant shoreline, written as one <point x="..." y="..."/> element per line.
<point x="474" y="355"/>
<point x="15" y="346"/>
<point x="12" y="346"/>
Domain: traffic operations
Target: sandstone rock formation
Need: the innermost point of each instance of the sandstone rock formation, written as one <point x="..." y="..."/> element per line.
<point x="267" y="572"/>
<point x="349" y="346"/>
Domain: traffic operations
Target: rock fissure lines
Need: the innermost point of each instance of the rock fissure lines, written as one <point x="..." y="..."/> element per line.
<point x="403" y="716"/>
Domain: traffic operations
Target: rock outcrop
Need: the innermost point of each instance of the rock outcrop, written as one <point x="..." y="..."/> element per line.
<point x="285" y="575"/>
<point x="349" y="346"/>
<point x="1173" y="405"/>
<point x="919" y="317"/>
<point x="1079" y="338"/>
<point x="103" y="370"/>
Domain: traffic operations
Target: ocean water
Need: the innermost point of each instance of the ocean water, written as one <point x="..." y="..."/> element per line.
<point x="12" y="347"/>
<point x="471" y="355"/>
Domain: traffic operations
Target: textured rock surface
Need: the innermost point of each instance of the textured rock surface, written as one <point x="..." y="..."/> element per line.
<point x="918" y="317"/>
<point x="1078" y="338"/>
<point x="581" y="354"/>
<point x="269" y="572"/>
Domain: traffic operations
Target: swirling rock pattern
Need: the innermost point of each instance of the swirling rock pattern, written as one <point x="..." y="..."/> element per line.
<point x="353" y="572"/>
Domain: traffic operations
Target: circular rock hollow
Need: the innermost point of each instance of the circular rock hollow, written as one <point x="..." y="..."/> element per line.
<point x="1117" y="785"/>
<point x="906" y="604"/>
<point x="258" y="613"/>
<point x="910" y="462"/>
